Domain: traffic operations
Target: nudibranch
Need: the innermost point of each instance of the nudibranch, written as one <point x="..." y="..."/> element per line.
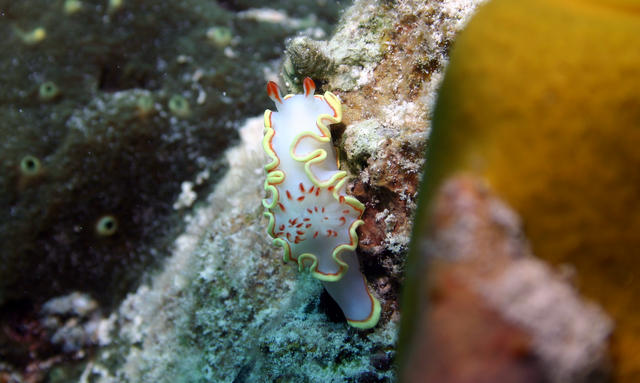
<point x="310" y="215"/>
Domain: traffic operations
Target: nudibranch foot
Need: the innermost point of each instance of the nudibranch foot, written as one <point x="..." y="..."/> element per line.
<point x="352" y="294"/>
<point x="310" y="215"/>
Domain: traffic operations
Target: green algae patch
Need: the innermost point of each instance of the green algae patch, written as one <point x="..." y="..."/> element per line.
<point x="541" y="99"/>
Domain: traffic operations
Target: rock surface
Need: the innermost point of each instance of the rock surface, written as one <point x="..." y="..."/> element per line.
<point x="385" y="62"/>
<point x="496" y="312"/>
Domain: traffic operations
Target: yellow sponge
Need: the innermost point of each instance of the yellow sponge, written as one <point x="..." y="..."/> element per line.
<point x="542" y="99"/>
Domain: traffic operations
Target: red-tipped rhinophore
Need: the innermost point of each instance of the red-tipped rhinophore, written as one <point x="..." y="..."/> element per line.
<point x="273" y="91"/>
<point x="309" y="87"/>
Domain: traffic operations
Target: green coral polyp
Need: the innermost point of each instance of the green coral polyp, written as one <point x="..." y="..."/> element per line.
<point x="48" y="91"/>
<point x="72" y="6"/>
<point x="115" y="5"/>
<point x="179" y="106"/>
<point x="33" y="37"/>
<point x="30" y="166"/>
<point x="310" y="216"/>
<point x="106" y="226"/>
<point x="144" y="105"/>
<point x="219" y="36"/>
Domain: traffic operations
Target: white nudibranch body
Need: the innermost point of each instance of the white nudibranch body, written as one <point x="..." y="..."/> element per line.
<point x="310" y="216"/>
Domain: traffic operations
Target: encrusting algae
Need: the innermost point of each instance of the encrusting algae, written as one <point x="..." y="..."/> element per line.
<point x="546" y="108"/>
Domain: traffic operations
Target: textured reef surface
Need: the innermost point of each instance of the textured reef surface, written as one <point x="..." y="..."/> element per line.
<point x="106" y="108"/>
